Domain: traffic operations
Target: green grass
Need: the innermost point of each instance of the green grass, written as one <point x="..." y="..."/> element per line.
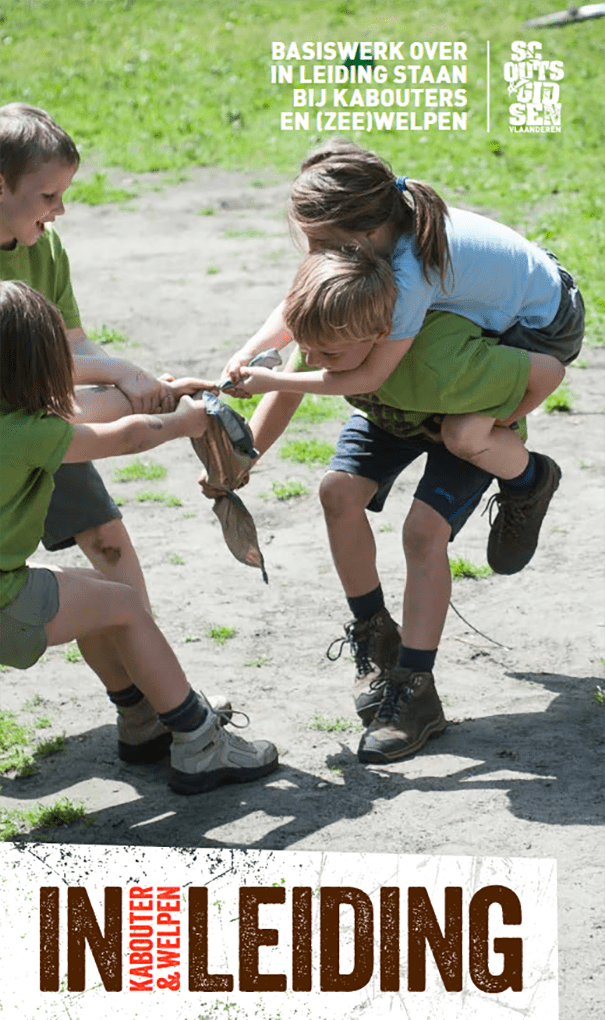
<point x="140" y="470"/>
<point x="97" y="190"/>
<point x="561" y="400"/>
<point x="245" y="233"/>
<point x="599" y="695"/>
<point x="289" y="489"/>
<point x="262" y="660"/>
<point x="307" y="451"/>
<point x="17" y="822"/>
<point x="156" y="496"/>
<point x="336" y="725"/>
<point x="176" y="560"/>
<point x="464" y="568"/>
<point x="221" y="634"/>
<point x="17" y="753"/>
<point x="315" y="408"/>
<point x="72" y="653"/>
<point x="148" y="86"/>
<point x="108" y="335"/>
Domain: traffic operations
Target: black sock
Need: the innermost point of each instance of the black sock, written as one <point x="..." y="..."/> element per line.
<point x="126" y="698"/>
<point x="364" y="606"/>
<point x="418" y="659"/>
<point x="527" y="479"/>
<point x="185" y="717"/>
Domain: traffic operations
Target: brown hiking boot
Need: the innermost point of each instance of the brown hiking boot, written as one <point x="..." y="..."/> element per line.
<point x="410" y="712"/>
<point x="375" y="647"/>
<point x="513" y="538"/>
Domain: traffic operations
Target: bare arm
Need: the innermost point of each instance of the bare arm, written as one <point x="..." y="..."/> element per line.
<point x="272" y="333"/>
<point x="92" y="365"/>
<point x="545" y="374"/>
<point x="105" y="403"/>
<point x="136" y="433"/>
<point x="369" y="377"/>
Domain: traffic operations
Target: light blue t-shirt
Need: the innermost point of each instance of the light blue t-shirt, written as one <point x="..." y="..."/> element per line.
<point x="499" y="278"/>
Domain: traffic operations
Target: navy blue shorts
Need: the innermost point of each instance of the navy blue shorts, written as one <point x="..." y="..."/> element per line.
<point x="451" y="486"/>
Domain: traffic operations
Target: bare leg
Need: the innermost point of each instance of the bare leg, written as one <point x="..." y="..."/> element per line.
<point x="92" y="607"/>
<point x="344" y="498"/>
<point x="110" y="550"/>
<point x="428" y="584"/>
<point x="476" y="438"/>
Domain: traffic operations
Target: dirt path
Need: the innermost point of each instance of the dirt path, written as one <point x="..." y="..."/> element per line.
<point x="519" y="770"/>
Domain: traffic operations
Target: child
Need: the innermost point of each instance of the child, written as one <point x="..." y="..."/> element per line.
<point x="37" y="163"/>
<point x="40" y="607"/>
<point x="451" y="366"/>
<point x="339" y="310"/>
<point x="446" y="259"/>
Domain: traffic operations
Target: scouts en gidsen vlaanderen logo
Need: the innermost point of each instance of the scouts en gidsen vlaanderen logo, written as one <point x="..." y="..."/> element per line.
<point x="533" y="84"/>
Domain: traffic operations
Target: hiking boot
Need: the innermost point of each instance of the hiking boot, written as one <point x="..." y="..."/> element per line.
<point x="143" y="740"/>
<point x="410" y="712"/>
<point x="209" y="756"/>
<point x="375" y="647"/>
<point x="514" y="533"/>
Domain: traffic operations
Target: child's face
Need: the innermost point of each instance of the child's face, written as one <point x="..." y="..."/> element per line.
<point x="37" y="199"/>
<point x="380" y="240"/>
<point x="343" y="358"/>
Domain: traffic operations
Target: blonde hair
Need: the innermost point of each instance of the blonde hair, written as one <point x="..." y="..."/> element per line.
<point x="37" y="367"/>
<point x="342" y="187"/>
<point x="341" y="296"/>
<point x="29" y="138"/>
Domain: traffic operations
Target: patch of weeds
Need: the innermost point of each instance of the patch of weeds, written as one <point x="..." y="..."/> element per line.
<point x="386" y="527"/>
<point x="140" y="470"/>
<point x="243" y="407"/>
<point x="561" y="400"/>
<point x="245" y="233"/>
<point x="34" y="702"/>
<point x="107" y="335"/>
<point x="155" y="496"/>
<point x="188" y="514"/>
<point x="316" y="407"/>
<point x="289" y="489"/>
<point x="208" y="210"/>
<point x="581" y="363"/>
<point x="191" y="639"/>
<point x="98" y="191"/>
<point x="42" y="722"/>
<point x="12" y="734"/>
<point x="121" y="500"/>
<point x="19" y="761"/>
<point x="337" y="725"/>
<point x="336" y="769"/>
<point x="4" y="669"/>
<point x="211" y="271"/>
<point x="54" y="745"/>
<point x="221" y="634"/>
<point x="464" y="568"/>
<point x="177" y="560"/>
<point x="72" y="653"/>
<point x="307" y="451"/>
<point x="62" y="812"/>
<point x="599" y="695"/>
<point x="263" y="660"/>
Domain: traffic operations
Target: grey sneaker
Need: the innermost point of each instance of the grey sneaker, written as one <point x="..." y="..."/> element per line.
<point x="513" y="537"/>
<point x="211" y="756"/>
<point x="143" y="740"/>
<point x="375" y="647"/>
<point x="410" y="712"/>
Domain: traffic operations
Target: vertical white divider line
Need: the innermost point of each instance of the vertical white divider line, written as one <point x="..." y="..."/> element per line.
<point x="488" y="86"/>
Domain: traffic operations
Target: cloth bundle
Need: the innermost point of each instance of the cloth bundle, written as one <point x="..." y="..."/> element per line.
<point x="226" y="450"/>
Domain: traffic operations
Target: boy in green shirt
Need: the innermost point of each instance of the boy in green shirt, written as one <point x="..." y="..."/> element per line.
<point x="37" y="163"/>
<point x="451" y="370"/>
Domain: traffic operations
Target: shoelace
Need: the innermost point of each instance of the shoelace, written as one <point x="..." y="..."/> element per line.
<point x="513" y="514"/>
<point x="227" y="716"/>
<point x="359" y="649"/>
<point x="389" y="705"/>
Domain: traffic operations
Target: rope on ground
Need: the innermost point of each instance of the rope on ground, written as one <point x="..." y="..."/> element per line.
<point x="475" y="629"/>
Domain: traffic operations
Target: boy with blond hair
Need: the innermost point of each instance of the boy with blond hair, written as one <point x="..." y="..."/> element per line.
<point x="339" y="312"/>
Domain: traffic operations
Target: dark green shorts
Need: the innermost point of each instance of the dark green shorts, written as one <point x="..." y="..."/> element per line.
<point x="79" y="501"/>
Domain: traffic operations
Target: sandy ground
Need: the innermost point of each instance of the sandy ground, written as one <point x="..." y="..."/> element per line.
<point x="518" y="771"/>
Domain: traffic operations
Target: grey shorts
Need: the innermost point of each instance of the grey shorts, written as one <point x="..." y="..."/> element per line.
<point x="79" y="501"/>
<point x="562" y="338"/>
<point x="22" y="636"/>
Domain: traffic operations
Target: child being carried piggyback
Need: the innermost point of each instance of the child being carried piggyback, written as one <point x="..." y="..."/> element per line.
<point x="40" y="606"/>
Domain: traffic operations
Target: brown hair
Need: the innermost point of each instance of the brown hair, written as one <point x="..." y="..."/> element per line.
<point x="37" y="368"/>
<point x="341" y="296"/>
<point x="341" y="186"/>
<point x="29" y="138"/>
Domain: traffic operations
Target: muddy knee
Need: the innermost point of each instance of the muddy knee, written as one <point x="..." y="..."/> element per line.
<point x="105" y="543"/>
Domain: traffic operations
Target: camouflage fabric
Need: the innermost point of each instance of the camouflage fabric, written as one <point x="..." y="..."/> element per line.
<point x="227" y="452"/>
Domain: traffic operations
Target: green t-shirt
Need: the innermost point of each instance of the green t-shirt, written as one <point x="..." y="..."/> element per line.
<point x="451" y="368"/>
<point x="45" y="267"/>
<point x="32" y="447"/>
